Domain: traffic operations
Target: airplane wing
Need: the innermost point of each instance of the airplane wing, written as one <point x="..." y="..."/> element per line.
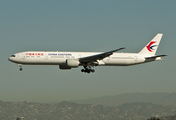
<point x="155" y="56"/>
<point x="100" y="56"/>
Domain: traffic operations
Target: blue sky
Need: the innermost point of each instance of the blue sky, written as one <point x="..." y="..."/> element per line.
<point x="79" y="25"/>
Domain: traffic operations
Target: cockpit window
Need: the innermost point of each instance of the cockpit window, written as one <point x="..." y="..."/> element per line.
<point x="12" y="55"/>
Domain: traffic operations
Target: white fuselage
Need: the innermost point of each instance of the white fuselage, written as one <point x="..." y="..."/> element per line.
<point x="59" y="58"/>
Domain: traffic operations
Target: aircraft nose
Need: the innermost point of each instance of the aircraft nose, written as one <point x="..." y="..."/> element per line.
<point x="9" y="59"/>
<point x="12" y="58"/>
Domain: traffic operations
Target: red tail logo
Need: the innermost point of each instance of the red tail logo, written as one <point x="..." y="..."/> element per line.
<point x="150" y="47"/>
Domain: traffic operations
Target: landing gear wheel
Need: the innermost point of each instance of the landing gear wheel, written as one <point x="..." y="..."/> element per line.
<point x="20" y="67"/>
<point x="93" y="70"/>
<point x="87" y="70"/>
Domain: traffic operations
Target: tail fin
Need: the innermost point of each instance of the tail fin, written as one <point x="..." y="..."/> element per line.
<point x="151" y="48"/>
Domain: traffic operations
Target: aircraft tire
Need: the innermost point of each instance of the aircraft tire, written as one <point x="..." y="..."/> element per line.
<point x="82" y="70"/>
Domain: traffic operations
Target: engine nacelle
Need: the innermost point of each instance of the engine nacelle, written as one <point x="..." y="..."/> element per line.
<point x="64" y="67"/>
<point x="73" y="63"/>
<point x="99" y="63"/>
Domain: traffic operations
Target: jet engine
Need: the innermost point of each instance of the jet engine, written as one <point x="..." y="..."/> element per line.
<point x="73" y="63"/>
<point x="64" y="67"/>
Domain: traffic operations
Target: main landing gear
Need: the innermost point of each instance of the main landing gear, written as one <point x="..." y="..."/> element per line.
<point x="20" y="67"/>
<point x="87" y="70"/>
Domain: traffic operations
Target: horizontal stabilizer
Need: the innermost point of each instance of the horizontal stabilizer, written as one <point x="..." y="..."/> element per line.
<point x="155" y="56"/>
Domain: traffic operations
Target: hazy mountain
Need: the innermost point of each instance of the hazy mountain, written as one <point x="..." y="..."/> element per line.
<point x="169" y="118"/>
<point x="155" y="98"/>
<point x="73" y="111"/>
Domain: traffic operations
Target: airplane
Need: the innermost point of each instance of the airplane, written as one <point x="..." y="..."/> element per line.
<point x="68" y="60"/>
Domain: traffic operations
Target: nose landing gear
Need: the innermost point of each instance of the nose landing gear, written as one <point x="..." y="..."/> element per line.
<point x="20" y="67"/>
<point x="87" y="70"/>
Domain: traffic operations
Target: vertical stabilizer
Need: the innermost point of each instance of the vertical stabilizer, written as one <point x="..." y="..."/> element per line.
<point x="151" y="48"/>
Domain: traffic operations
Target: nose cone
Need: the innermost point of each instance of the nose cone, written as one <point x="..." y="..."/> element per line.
<point x="10" y="59"/>
<point x="13" y="58"/>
